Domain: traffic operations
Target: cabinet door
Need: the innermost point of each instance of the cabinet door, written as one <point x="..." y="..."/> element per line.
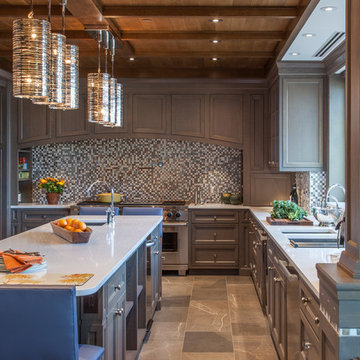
<point x="149" y="114"/>
<point x="114" y="332"/>
<point x="188" y="115"/>
<point x="301" y="127"/>
<point x="34" y="122"/>
<point x="257" y="132"/>
<point x="73" y="122"/>
<point x="274" y="113"/>
<point x="279" y="325"/>
<point x="226" y="118"/>
<point x="310" y="344"/>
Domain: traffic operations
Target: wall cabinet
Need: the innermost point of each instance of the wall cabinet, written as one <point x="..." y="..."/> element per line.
<point x="34" y="122"/>
<point x="226" y="118"/>
<point x="273" y="132"/>
<point x="301" y="124"/>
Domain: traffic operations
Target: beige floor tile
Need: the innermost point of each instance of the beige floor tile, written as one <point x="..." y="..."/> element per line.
<point x="208" y="356"/>
<point x="177" y="289"/>
<point x="255" y="348"/>
<point x="173" y="280"/>
<point x="162" y="350"/>
<point x="241" y="289"/>
<point x="208" y="315"/>
<point x="171" y="314"/>
<point x="169" y="330"/>
<point x="241" y="316"/>
<point x="207" y="341"/>
<point x="244" y="302"/>
<point x="249" y="329"/>
<point x="232" y="280"/>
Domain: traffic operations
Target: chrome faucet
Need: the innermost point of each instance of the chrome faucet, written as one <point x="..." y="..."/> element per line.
<point x="110" y="212"/>
<point x="95" y="182"/>
<point x="331" y="188"/>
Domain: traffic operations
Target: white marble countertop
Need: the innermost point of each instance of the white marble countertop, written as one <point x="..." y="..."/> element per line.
<point x="42" y="206"/>
<point x="217" y="206"/>
<point x="303" y="259"/>
<point x="108" y="248"/>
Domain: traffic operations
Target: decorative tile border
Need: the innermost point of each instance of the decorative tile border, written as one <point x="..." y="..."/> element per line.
<point x="146" y="169"/>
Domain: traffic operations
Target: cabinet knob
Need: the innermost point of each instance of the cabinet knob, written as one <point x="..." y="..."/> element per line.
<point x="215" y="218"/>
<point x="156" y="252"/>
<point x="317" y="320"/>
<point x="215" y="256"/>
<point x="214" y="235"/>
<point x="155" y="237"/>
<point x="163" y="258"/>
<point x="307" y="345"/>
<point x="305" y="300"/>
<point x="117" y="287"/>
<point x="276" y="279"/>
<point x="271" y="268"/>
<point x="119" y="312"/>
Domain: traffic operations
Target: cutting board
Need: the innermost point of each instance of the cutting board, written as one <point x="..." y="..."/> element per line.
<point x="303" y="222"/>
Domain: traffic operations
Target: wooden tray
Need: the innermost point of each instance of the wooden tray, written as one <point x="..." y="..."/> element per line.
<point x="303" y="222"/>
<point x="73" y="237"/>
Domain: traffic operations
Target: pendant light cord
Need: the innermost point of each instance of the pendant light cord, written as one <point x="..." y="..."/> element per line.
<point x="31" y="13"/>
<point x="63" y="15"/>
<point x="99" y="48"/>
<point x="112" y="56"/>
<point x="49" y="11"/>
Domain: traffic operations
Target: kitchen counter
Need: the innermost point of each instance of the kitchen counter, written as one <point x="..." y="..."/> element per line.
<point x="108" y="248"/>
<point x="219" y="206"/>
<point x="303" y="259"/>
<point x="42" y="206"/>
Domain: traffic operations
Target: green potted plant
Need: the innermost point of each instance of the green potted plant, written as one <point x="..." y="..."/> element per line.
<point x="54" y="188"/>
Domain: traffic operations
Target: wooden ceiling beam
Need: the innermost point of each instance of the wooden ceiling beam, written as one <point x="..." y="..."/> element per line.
<point x="182" y="72"/>
<point x="70" y="34"/>
<point x="210" y="53"/>
<point x="203" y="35"/>
<point x="19" y="11"/>
<point x="288" y="12"/>
<point x="89" y="14"/>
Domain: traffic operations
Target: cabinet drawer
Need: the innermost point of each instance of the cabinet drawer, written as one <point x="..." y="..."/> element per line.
<point x="310" y="344"/>
<point x="214" y="217"/>
<point x="115" y="287"/>
<point x="43" y="216"/>
<point x="209" y="257"/>
<point x="214" y="234"/>
<point x="310" y="308"/>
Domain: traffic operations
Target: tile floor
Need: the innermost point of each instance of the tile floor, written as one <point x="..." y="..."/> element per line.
<point x="209" y="318"/>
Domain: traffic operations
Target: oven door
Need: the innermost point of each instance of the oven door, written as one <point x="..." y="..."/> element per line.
<point x="174" y="245"/>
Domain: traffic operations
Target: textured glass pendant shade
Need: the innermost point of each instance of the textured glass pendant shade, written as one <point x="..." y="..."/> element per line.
<point x="98" y="97"/>
<point x="112" y="108"/>
<point x="119" y="105"/>
<point x="71" y="79"/>
<point x="31" y="58"/>
<point x="57" y="75"/>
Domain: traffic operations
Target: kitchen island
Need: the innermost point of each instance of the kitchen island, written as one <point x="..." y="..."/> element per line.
<point x="113" y="311"/>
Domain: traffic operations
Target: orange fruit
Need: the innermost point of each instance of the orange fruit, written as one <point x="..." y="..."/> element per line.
<point x="69" y="221"/>
<point x="74" y="222"/>
<point x="62" y="222"/>
<point x="78" y="230"/>
<point x="81" y="225"/>
<point x="70" y="228"/>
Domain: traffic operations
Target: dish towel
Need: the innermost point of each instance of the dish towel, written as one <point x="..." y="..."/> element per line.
<point x="16" y="261"/>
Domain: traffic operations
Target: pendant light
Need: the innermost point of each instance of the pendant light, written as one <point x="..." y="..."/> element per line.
<point x="57" y="75"/>
<point x="115" y="117"/>
<point x="71" y="77"/>
<point x="31" y="57"/>
<point x="98" y="93"/>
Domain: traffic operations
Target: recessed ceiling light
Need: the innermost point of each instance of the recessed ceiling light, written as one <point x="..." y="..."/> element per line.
<point x="146" y="20"/>
<point x="216" y="20"/>
<point x="328" y="8"/>
<point x="215" y="41"/>
<point x="308" y="35"/>
<point x="132" y="59"/>
<point x="214" y="59"/>
<point x="294" y="53"/>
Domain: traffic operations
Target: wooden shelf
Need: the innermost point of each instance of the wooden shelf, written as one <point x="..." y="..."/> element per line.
<point x="139" y="290"/>
<point x="128" y="306"/>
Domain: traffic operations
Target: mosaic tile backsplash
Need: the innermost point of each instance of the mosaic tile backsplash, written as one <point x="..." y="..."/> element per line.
<point x="142" y="169"/>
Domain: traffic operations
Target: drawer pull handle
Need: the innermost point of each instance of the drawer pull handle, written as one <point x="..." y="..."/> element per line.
<point x="117" y="287"/>
<point x="119" y="312"/>
<point x="305" y="300"/>
<point x="251" y="232"/>
<point x="317" y="320"/>
<point x="276" y="279"/>
<point x="163" y="258"/>
<point x="307" y="345"/>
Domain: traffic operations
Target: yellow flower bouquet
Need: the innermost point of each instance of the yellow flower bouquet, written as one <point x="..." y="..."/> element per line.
<point x="52" y="185"/>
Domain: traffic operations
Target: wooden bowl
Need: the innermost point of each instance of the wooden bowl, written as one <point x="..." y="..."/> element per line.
<point x="73" y="237"/>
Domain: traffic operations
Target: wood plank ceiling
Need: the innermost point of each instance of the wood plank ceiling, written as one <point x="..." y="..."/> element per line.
<point x="170" y="38"/>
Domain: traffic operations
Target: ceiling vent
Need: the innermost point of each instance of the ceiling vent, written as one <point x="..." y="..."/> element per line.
<point x="330" y="44"/>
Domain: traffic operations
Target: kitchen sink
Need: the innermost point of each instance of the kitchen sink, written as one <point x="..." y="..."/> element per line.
<point x="312" y="238"/>
<point x="94" y="222"/>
